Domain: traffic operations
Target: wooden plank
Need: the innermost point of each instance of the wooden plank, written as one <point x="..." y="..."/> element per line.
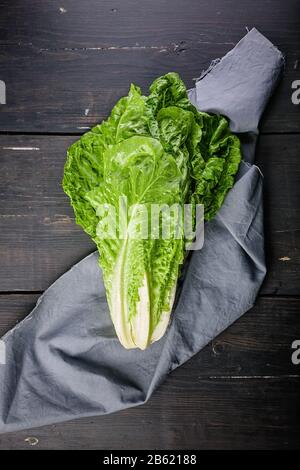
<point x="241" y="391"/>
<point x="277" y="156"/>
<point x="73" y="24"/>
<point x="39" y="239"/>
<point x="65" y="64"/>
<point x="59" y="65"/>
<point x="258" y="344"/>
<point x="13" y="308"/>
<point x="67" y="91"/>
<point x="206" y="414"/>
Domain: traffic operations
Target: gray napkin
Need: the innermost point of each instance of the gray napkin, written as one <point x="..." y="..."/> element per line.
<point x="64" y="361"/>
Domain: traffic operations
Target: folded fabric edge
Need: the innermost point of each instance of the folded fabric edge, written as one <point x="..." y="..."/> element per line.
<point x="252" y="33"/>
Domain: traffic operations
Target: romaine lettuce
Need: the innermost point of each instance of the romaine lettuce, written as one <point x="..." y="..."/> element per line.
<point x="155" y="149"/>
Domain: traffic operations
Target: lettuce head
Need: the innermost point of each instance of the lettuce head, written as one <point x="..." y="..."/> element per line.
<point x="152" y="150"/>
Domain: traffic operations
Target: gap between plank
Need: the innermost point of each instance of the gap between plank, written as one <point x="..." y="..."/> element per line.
<point x="40" y="292"/>
<point x="22" y="292"/>
<point x="79" y="134"/>
<point x="251" y="377"/>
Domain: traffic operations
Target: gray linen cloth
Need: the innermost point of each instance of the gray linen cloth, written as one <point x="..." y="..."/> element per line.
<point x="64" y="360"/>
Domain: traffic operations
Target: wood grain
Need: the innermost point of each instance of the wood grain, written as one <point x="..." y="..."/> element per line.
<point x="196" y="414"/>
<point x="39" y="239"/>
<point x="65" y="63"/>
<point x="277" y="156"/>
<point x="258" y="344"/>
<point x="56" y="24"/>
<point x="241" y="391"/>
<point x="65" y="71"/>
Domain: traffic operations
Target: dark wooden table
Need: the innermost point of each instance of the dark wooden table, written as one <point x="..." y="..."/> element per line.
<point x="65" y="63"/>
